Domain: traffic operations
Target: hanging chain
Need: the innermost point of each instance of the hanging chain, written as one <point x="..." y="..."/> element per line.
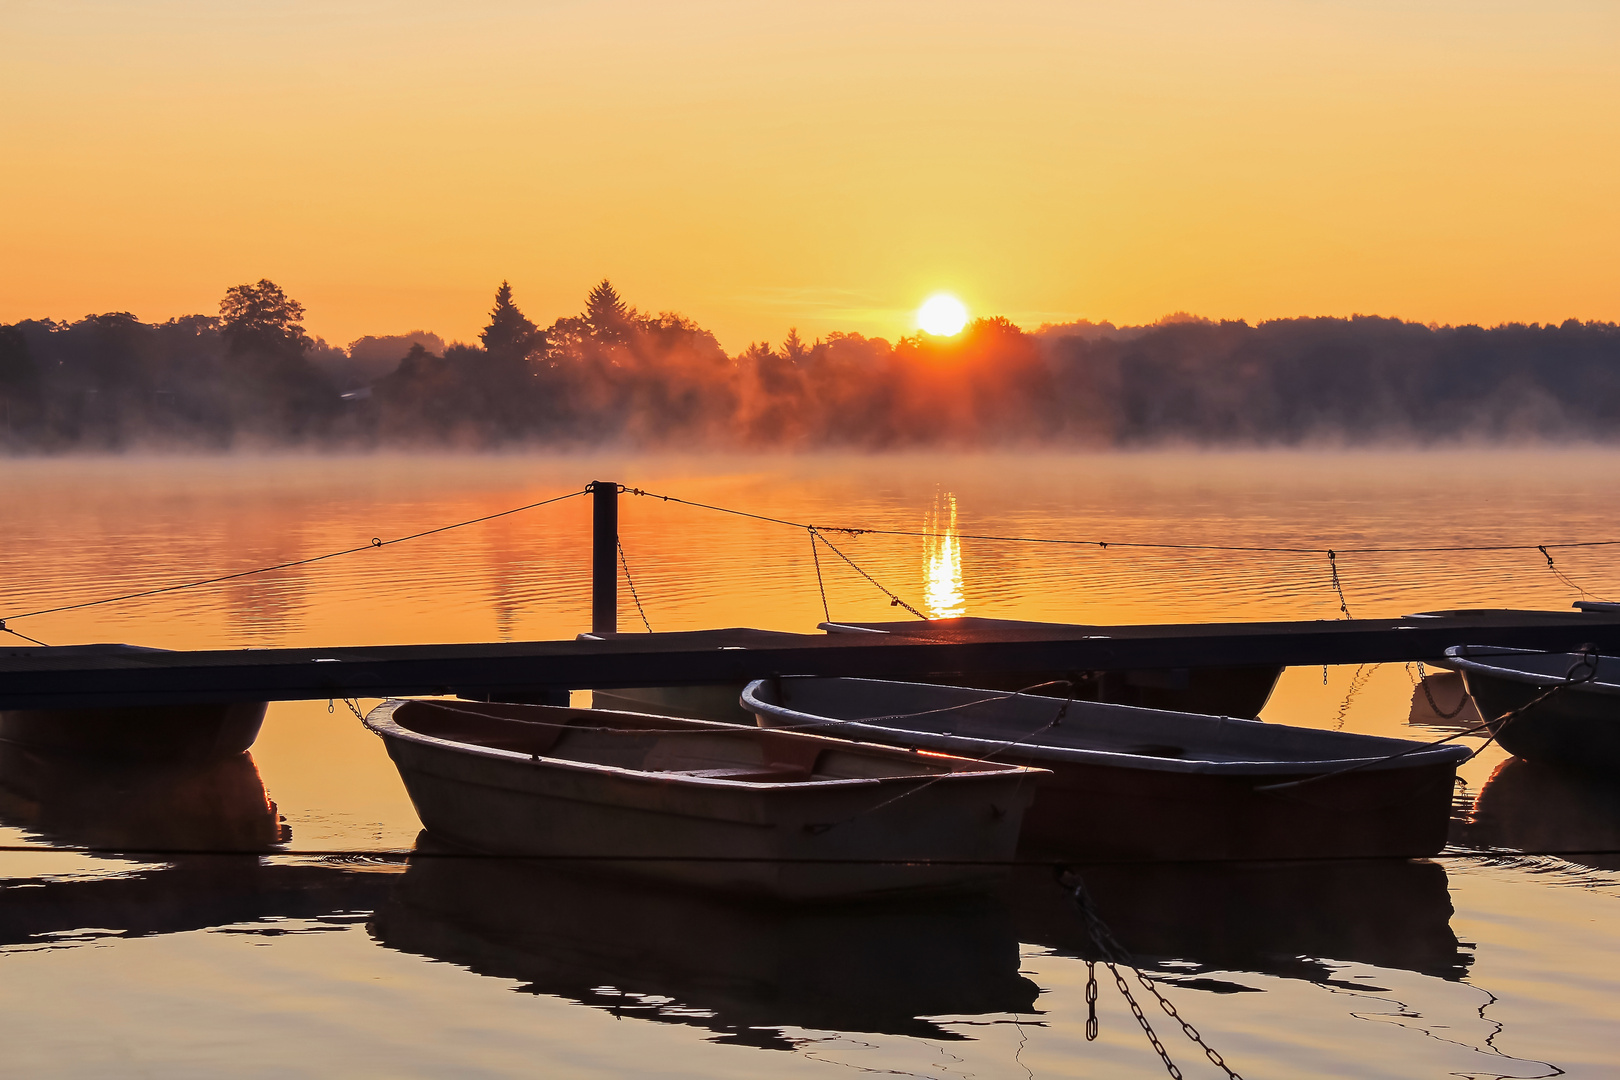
<point x="1114" y="955"/>
<point x="630" y="582"/>
<point x="1091" y="1001"/>
<point x="815" y="556"/>
<point x="1338" y="587"/>
<point x="894" y="599"/>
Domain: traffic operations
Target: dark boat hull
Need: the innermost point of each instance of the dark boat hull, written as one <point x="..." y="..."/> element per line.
<point x="1573" y="729"/>
<point x="175" y="734"/>
<point x="1132" y="784"/>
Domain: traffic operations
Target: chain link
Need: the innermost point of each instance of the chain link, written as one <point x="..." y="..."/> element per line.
<point x="1141" y="1018"/>
<point x="1091" y="1001"/>
<point x="1338" y="587"/>
<point x="1115" y="954"/>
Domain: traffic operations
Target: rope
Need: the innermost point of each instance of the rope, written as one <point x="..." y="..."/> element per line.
<point x="630" y="582"/>
<point x="1063" y="710"/>
<point x="376" y="542"/>
<point x="1560" y="575"/>
<point x="1000" y="538"/>
<point x="19" y="633"/>
<point x="810" y="726"/>
<point x="1585" y="664"/>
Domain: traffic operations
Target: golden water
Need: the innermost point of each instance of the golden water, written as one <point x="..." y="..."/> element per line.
<point x="107" y="970"/>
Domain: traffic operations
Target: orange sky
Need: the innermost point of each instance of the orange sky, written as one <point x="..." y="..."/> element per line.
<point x="761" y="165"/>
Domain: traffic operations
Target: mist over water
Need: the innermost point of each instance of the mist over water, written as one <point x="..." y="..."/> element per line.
<point x="310" y="964"/>
<point x="613" y="376"/>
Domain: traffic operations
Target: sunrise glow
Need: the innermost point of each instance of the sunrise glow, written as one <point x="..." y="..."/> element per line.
<point x="942" y="315"/>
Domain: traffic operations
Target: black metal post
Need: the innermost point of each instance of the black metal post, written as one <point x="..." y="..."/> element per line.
<point x="605" y="558"/>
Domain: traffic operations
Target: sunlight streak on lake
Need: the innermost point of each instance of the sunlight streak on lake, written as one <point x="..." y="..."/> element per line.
<point x="942" y="561"/>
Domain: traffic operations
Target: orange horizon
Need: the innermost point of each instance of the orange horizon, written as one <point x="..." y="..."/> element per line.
<point x="771" y="167"/>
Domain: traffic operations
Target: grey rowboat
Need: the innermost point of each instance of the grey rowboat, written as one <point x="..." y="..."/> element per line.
<point x="783" y="814"/>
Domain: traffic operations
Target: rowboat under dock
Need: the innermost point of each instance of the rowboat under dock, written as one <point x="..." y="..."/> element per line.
<point x="782" y="814"/>
<point x="1147" y="784"/>
<point x="1576" y="722"/>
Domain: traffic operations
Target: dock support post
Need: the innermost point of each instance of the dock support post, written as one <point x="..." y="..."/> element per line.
<point x="605" y="557"/>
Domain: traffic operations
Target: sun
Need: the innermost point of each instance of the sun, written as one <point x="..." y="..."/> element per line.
<point x="942" y="315"/>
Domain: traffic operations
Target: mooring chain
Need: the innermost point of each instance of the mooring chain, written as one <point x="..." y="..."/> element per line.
<point x="1114" y="957"/>
<point x="1423" y="681"/>
<point x="628" y="580"/>
<point x="1338" y="587"/>
<point x="816" y="533"/>
<point x="1091" y="1001"/>
<point x="815" y="557"/>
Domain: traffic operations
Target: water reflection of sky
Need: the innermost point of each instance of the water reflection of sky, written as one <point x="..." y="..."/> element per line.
<point x="309" y="965"/>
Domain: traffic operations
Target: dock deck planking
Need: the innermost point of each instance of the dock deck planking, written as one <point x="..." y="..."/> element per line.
<point x="106" y="676"/>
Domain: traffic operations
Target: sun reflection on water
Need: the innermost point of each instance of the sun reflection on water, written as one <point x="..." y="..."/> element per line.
<point x="942" y="561"/>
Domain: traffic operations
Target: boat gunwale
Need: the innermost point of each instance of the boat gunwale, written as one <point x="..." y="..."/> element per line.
<point x="1457" y="656"/>
<point x="386" y="726"/>
<point x="1428" y="754"/>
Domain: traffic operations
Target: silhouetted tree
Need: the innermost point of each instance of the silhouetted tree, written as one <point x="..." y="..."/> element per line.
<point x="19" y="383"/>
<point x="794" y="348"/>
<point x="510" y="335"/>
<point x="273" y="391"/>
<point x="262" y="318"/>
<point x="607" y="316"/>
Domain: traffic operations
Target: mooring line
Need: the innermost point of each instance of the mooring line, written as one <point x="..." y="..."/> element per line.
<point x="19" y="633"/>
<point x="1584" y="669"/>
<point x="1013" y="539"/>
<point x="376" y="542"/>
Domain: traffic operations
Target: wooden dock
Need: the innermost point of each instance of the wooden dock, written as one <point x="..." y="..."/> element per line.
<point x="103" y="676"/>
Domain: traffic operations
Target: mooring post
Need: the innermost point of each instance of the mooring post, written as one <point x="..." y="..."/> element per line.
<point x="605" y="558"/>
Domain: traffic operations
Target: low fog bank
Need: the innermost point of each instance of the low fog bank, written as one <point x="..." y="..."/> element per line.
<point x="612" y="376"/>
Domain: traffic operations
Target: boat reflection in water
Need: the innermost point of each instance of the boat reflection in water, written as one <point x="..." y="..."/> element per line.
<point x="1285" y="919"/>
<point x="210" y="824"/>
<point x="1440" y="700"/>
<point x="740" y="969"/>
<point x="137" y="807"/>
<point x="1531" y="807"/>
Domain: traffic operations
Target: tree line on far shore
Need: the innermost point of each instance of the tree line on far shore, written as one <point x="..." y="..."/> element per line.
<point x="252" y="377"/>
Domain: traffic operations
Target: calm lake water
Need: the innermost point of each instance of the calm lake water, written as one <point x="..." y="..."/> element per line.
<point x="336" y="957"/>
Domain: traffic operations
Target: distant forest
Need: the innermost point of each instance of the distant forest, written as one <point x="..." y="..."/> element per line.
<point x="252" y="377"/>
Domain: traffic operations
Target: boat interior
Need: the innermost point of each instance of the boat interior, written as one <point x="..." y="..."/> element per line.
<point x="668" y="745"/>
<point x="1076" y="725"/>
